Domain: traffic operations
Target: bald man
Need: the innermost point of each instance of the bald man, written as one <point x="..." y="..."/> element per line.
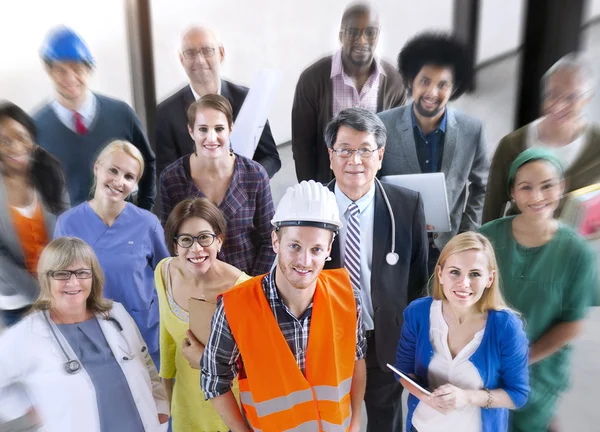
<point x="353" y="77"/>
<point x="201" y="56"/>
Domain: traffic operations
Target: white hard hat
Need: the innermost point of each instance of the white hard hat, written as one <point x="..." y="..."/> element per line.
<point x="308" y="204"/>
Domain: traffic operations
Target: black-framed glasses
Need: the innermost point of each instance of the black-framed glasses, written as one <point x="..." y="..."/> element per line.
<point x="66" y="274"/>
<point x="205" y="52"/>
<point x="354" y="33"/>
<point x="187" y="240"/>
<point x="363" y="153"/>
<point x="553" y="97"/>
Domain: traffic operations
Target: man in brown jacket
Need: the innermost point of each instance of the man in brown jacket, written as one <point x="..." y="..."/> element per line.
<point x="568" y="87"/>
<point x="352" y="77"/>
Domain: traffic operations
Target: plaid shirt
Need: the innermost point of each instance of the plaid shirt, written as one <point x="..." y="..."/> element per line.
<point x="345" y="94"/>
<point x="247" y="207"/>
<point x="219" y="364"/>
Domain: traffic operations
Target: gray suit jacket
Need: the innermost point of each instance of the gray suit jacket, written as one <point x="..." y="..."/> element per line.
<point x="464" y="163"/>
<point x="17" y="287"/>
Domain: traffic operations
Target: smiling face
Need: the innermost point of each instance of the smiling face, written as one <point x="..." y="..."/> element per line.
<point x="16" y="145"/>
<point x="537" y="189"/>
<point x="205" y="66"/>
<point x="301" y="253"/>
<point x="359" y="35"/>
<point x="70" y="80"/>
<point x="464" y="278"/>
<point x="70" y="296"/>
<point x="211" y="133"/>
<point x="355" y="175"/>
<point x="198" y="259"/>
<point x="431" y="90"/>
<point x="116" y="176"/>
<point x="565" y="97"/>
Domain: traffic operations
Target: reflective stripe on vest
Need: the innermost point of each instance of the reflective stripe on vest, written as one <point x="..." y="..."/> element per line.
<point x="283" y="403"/>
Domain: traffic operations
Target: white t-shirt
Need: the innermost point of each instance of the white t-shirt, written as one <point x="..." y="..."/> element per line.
<point x="567" y="154"/>
<point x="443" y="369"/>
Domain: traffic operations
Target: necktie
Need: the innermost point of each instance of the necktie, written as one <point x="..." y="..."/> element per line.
<point x="352" y="249"/>
<point x="79" y="126"/>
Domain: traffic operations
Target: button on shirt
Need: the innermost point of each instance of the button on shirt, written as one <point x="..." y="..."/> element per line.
<point x="345" y="94"/>
<point x="87" y="111"/>
<point x="430" y="147"/>
<point x="366" y="218"/>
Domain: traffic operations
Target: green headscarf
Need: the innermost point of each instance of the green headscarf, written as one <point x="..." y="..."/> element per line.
<point x="532" y="154"/>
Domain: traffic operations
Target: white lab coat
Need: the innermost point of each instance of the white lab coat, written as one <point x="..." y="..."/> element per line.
<point x="29" y="354"/>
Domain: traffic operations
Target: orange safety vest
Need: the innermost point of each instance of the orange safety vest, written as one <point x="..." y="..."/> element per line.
<point x="275" y="395"/>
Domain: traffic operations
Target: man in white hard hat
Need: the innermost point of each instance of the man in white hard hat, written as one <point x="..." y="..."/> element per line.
<point x="293" y="337"/>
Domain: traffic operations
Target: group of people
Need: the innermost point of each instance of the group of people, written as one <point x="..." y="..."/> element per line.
<point x="100" y="288"/>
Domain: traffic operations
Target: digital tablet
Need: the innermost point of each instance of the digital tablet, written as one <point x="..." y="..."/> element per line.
<point x="410" y="380"/>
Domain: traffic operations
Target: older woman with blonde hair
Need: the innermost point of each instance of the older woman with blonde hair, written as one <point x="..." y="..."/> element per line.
<point x="128" y="240"/>
<point x="79" y="356"/>
<point x="465" y="344"/>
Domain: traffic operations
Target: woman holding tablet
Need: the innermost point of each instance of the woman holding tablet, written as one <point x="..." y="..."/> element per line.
<point x="465" y="344"/>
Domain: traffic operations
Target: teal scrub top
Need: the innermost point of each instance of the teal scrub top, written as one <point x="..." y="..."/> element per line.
<point x="548" y="284"/>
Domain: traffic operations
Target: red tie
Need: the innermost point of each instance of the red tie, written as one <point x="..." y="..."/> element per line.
<point x="79" y="126"/>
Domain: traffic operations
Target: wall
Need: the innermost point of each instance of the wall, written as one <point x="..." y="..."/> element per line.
<point x="500" y="27"/>
<point x="288" y="35"/>
<point x="25" y="24"/>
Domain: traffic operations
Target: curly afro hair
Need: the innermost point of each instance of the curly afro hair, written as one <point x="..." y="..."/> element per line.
<point x="439" y="49"/>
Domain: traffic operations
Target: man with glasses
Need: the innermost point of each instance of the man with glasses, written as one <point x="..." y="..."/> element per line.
<point x="201" y="56"/>
<point x="356" y="141"/>
<point x="352" y="77"/>
<point x="568" y="88"/>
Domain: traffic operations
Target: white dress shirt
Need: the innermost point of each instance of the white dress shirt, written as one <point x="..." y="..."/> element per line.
<point x="458" y="371"/>
<point x="197" y="96"/>
<point x="366" y="220"/>
<point x="87" y="111"/>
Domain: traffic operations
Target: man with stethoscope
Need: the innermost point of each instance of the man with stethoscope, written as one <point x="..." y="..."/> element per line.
<point x="383" y="245"/>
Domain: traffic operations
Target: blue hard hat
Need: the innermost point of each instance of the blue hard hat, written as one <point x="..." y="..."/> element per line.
<point x="63" y="44"/>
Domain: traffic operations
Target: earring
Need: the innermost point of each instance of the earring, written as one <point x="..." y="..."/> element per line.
<point x="230" y="148"/>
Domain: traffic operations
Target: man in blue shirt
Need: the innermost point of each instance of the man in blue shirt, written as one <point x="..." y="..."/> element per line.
<point x="435" y="68"/>
<point x="77" y="124"/>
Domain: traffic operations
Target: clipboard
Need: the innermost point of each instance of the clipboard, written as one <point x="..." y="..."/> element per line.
<point x="201" y="313"/>
<point x="410" y="380"/>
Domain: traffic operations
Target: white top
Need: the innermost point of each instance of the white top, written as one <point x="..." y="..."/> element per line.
<point x="443" y="369"/>
<point x="366" y="220"/>
<point x="567" y="154"/>
<point x="197" y="96"/>
<point x="29" y="210"/>
<point x="87" y="112"/>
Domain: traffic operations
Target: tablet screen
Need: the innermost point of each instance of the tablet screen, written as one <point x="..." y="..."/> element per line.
<point x="412" y="380"/>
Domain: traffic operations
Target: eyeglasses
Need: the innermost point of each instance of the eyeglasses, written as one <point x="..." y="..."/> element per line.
<point x="66" y="274"/>
<point x="363" y="153"/>
<point x="553" y="98"/>
<point x="187" y="240"/>
<point x="205" y="52"/>
<point x="370" y="33"/>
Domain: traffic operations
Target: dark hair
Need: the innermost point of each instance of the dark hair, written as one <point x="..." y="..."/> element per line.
<point x="358" y="119"/>
<point x="210" y="101"/>
<point x="202" y="208"/>
<point x="356" y="9"/>
<point x="438" y="49"/>
<point x="45" y="172"/>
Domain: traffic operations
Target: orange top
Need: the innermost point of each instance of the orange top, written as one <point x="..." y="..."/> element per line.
<point x="32" y="236"/>
<point x="275" y="395"/>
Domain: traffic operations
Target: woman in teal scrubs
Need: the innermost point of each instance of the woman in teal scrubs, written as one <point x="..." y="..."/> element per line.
<point x="548" y="274"/>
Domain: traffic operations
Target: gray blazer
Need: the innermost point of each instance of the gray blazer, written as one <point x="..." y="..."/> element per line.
<point x="18" y="288"/>
<point x="464" y="163"/>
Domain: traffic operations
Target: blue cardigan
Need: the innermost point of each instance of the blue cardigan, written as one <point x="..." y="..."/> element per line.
<point x="501" y="358"/>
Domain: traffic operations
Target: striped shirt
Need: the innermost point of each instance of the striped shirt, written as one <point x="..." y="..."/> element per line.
<point x="247" y="207"/>
<point x="219" y="364"/>
<point x="345" y="94"/>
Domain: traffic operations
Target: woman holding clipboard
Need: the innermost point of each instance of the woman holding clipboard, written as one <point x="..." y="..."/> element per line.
<point x="464" y="344"/>
<point x="194" y="233"/>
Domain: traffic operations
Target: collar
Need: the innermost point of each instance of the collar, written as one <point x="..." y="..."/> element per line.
<point x="87" y="110"/>
<point x="362" y="203"/>
<point x="197" y="96"/>
<point x="337" y="67"/>
<point x="441" y="127"/>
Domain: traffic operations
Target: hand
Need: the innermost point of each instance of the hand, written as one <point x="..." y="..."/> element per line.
<point x="192" y="350"/>
<point x="163" y="418"/>
<point x="430" y="227"/>
<point x="449" y="398"/>
<point x="355" y="423"/>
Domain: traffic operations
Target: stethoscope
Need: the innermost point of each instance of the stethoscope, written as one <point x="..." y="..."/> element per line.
<point x="391" y="257"/>
<point x="73" y="366"/>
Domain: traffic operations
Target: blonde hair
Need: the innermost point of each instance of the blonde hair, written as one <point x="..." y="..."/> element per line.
<point x="492" y="297"/>
<point x="115" y="146"/>
<point x="60" y="254"/>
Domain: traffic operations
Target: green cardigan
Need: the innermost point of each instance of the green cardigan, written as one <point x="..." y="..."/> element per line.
<point x="584" y="171"/>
